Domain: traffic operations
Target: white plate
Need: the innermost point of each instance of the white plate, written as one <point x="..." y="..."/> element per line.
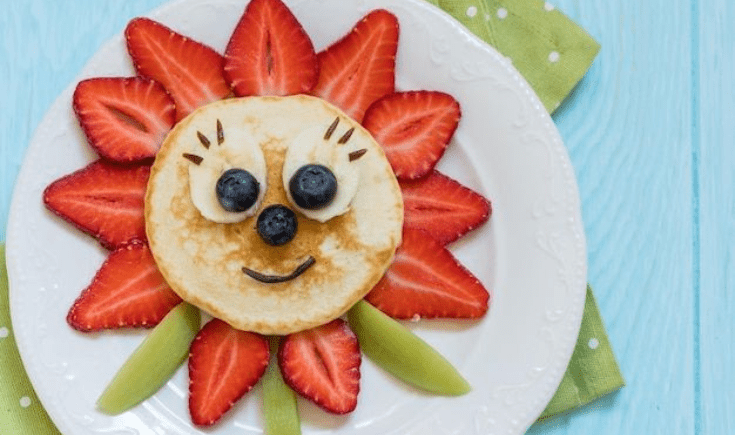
<point x="531" y="254"/>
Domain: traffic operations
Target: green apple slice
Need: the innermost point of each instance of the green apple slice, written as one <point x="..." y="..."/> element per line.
<point x="280" y="410"/>
<point x="153" y="362"/>
<point x="400" y="352"/>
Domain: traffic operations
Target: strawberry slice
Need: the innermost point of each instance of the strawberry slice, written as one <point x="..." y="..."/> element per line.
<point x="414" y="129"/>
<point x="442" y="207"/>
<point x="189" y="70"/>
<point x="104" y="200"/>
<point x="269" y="52"/>
<point x="224" y="364"/>
<point x="426" y="281"/>
<point x="127" y="291"/>
<point x="360" y="68"/>
<point x="323" y="365"/>
<point x="124" y="119"/>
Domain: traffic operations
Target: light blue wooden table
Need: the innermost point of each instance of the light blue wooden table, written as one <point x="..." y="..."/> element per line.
<point x="651" y="133"/>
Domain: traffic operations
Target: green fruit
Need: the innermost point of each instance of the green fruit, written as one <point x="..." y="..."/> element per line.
<point x="397" y="350"/>
<point x="153" y="362"/>
<point x="279" y="401"/>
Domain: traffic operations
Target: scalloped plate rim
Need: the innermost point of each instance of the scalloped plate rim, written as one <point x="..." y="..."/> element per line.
<point x="573" y="316"/>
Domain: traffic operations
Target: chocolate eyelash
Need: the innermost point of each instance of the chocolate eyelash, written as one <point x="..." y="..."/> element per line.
<point x="220" y="136"/>
<point x="220" y="133"/>
<point x="343" y="140"/>
<point x="203" y="139"/>
<point x="354" y="155"/>
<point x="331" y="129"/>
<point x="197" y="160"/>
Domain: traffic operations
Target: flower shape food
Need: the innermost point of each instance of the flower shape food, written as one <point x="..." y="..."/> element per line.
<point x="289" y="195"/>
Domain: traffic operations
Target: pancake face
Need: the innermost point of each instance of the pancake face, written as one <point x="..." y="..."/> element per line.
<point x="339" y="252"/>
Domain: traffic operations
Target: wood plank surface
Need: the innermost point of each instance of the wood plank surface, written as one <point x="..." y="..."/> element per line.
<point x="650" y="131"/>
<point x="716" y="178"/>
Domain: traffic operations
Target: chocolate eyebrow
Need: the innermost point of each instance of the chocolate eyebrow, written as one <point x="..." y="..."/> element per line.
<point x="331" y="129"/>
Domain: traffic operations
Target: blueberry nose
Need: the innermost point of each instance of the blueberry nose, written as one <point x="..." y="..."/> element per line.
<point x="277" y="225"/>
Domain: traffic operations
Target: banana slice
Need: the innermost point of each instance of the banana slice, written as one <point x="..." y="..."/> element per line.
<point x="336" y="149"/>
<point x="233" y="148"/>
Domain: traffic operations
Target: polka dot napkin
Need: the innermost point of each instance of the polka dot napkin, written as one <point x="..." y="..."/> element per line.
<point x="20" y="410"/>
<point x="550" y="51"/>
<point x="553" y="54"/>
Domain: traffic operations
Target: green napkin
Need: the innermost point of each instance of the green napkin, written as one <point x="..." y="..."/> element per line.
<point x="547" y="48"/>
<point x="20" y="410"/>
<point x="553" y="54"/>
<point x="592" y="371"/>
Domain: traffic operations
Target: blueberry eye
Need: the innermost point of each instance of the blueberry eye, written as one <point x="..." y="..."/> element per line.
<point x="237" y="190"/>
<point x="313" y="187"/>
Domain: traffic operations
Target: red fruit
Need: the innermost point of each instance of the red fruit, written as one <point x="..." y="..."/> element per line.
<point x="442" y="207"/>
<point x="269" y="52"/>
<point x="124" y="119"/>
<point x="104" y="200"/>
<point x="189" y="70"/>
<point x="414" y="129"/>
<point x="323" y="365"/>
<point x="224" y="364"/>
<point x="127" y="291"/>
<point x="360" y="68"/>
<point x="426" y="281"/>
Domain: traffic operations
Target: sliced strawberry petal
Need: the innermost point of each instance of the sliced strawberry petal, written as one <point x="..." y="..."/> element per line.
<point x="269" y="52"/>
<point x="224" y="364"/>
<point x="426" y="281"/>
<point x="189" y="70"/>
<point x="127" y="291"/>
<point x="442" y="207"/>
<point x="104" y="200"/>
<point x="414" y="128"/>
<point x="360" y="68"/>
<point x="323" y="365"/>
<point x="124" y="119"/>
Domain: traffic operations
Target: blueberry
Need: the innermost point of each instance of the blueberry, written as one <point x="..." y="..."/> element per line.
<point x="313" y="187"/>
<point x="237" y="190"/>
<point x="277" y="224"/>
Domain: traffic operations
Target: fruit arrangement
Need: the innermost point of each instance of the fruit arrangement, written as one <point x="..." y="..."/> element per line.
<point x="126" y="119"/>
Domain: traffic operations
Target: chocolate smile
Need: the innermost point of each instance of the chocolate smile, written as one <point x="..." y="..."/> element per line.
<point x="271" y="279"/>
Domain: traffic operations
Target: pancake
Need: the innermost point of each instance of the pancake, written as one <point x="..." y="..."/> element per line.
<point x="342" y="250"/>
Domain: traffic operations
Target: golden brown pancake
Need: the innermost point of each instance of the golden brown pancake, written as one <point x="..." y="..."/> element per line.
<point x="203" y="260"/>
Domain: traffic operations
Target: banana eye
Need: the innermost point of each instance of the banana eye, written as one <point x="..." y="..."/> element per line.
<point x="227" y="177"/>
<point x="237" y="190"/>
<point x="321" y="169"/>
<point x="313" y="187"/>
